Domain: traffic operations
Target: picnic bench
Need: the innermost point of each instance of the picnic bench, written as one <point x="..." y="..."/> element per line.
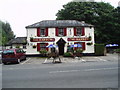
<point x="54" y="54"/>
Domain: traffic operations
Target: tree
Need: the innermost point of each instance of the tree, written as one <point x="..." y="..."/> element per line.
<point x="102" y="15"/>
<point x="6" y="33"/>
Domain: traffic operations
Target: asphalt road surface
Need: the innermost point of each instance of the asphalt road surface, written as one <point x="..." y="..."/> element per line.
<point x="103" y="74"/>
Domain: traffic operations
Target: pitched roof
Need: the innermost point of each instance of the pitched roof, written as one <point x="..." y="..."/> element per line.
<point x="18" y="40"/>
<point x="59" y="23"/>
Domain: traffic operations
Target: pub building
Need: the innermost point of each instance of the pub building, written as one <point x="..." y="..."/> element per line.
<point x="62" y="33"/>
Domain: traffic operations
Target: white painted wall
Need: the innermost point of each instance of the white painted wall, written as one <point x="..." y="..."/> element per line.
<point x="89" y="32"/>
<point x="32" y="32"/>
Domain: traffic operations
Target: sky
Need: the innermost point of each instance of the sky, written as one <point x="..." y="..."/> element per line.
<point x="21" y="13"/>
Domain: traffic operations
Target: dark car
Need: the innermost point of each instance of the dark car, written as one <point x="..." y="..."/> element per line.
<point x="13" y="56"/>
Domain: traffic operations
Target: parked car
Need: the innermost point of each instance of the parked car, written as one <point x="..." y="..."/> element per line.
<point x="13" y="56"/>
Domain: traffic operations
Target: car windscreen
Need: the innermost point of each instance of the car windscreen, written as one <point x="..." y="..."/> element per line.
<point x="8" y="52"/>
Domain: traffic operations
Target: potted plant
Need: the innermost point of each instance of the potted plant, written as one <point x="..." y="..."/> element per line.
<point x="78" y="52"/>
<point x="68" y="54"/>
<point x="43" y="52"/>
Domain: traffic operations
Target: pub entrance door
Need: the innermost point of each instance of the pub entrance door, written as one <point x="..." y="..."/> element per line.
<point x="61" y="45"/>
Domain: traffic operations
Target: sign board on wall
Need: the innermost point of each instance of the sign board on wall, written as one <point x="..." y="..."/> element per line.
<point x="78" y="39"/>
<point x="43" y="39"/>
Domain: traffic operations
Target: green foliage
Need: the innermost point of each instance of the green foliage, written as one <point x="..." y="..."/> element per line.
<point x="117" y="50"/>
<point x="99" y="49"/>
<point x="68" y="54"/>
<point x="17" y="46"/>
<point x="43" y="51"/>
<point x="6" y="33"/>
<point x="103" y="16"/>
<point x="79" y="50"/>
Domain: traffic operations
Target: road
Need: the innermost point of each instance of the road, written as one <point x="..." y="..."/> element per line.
<point x="103" y="74"/>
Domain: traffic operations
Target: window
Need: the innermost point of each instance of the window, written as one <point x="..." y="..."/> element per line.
<point x="18" y="51"/>
<point x="42" y="46"/>
<point x="42" y="32"/>
<point x="24" y="46"/>
<point x="61" y="32"/>
<point x="78" y="31"/>
<point x="8" y="52"/>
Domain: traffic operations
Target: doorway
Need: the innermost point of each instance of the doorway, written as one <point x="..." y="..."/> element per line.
<point x="61" y="45"/>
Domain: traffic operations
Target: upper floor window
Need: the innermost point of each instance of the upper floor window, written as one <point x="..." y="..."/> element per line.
<point x="61" y="31"/>
<point x="42" y="32"/>
<point x="78" y="31"/>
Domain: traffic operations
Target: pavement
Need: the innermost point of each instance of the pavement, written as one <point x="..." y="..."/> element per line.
<point x="83" y="59"/>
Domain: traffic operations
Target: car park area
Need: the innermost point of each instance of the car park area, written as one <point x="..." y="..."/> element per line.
<point x="65" y="60"/>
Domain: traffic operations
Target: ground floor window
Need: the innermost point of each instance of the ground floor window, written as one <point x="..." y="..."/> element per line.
<point x="24" y="46"/>
<point x="42" y="46"/>
<point x="82" y="44"/>
<point x="70" y="49"/>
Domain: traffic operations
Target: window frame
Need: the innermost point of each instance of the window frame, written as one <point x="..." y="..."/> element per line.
<point x="61" y="32"/>
<point x="43" y="47"/>
<point x="78" y="31"/>
<point x="42" y="33"/>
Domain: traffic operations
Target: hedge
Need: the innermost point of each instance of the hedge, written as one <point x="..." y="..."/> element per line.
<point x="100" y="49"/>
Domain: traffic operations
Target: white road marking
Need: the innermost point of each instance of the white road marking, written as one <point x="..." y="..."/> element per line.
<point x="83" y="60"/>
<point x="45" y="60"/>
<point x="26" y="61"/>
<point x="83" y="70"/>
<point x="100" y="59"/>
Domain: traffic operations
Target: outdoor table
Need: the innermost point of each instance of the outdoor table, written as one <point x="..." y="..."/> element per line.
<point x="54" y="56"/>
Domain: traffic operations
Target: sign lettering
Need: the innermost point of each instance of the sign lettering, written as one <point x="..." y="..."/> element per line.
<point x="78" y="39"/>
<point x="42" y="39"/>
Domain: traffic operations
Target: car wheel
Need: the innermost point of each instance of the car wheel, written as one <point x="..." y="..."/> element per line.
<point x="25" y="58"/>
<point x="18" y="61"/>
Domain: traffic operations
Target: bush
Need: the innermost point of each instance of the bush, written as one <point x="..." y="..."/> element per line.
<point x="100" y="49"/>
<point x="68" y="54"/>
<point x="117" y="50"/>
<point x="79" y="51"/>
<point x="43" y="51"/>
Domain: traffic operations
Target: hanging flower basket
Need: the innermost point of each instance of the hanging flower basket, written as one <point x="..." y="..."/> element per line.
<point x="34" y="46"/>
<point x="90" y="38"/>
<point x="89" y="43"/>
